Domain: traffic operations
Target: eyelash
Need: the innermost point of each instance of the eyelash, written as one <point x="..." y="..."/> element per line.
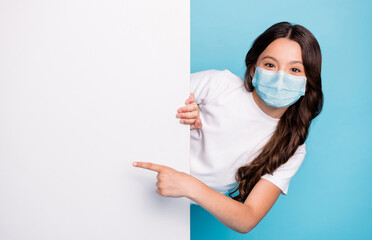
<point x="267" y="64"/>
<point x="271" y="65"/>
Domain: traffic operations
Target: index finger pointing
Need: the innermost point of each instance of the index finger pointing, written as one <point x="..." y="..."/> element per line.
<point x="148" y="165"/>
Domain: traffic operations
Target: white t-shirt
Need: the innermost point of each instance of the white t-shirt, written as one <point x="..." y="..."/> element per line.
<point x="234" y="128"/>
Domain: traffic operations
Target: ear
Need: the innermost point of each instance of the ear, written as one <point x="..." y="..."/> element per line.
<point x="252" y="72"/>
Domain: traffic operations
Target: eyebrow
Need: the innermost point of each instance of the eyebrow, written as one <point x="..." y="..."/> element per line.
<point x="294" y="61"/>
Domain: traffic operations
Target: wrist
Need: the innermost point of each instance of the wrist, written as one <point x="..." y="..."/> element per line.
<point x="195" y="188"/>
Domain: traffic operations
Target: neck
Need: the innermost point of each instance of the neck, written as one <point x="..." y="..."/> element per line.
<point x="269" y="110"/>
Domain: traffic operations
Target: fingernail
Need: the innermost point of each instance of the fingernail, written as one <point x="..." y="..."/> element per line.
<point x="134" y="163"/>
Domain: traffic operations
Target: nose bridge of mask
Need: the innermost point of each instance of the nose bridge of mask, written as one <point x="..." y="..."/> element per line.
<point x="284" y="80"/>
<point x="280" y="79"/>
<point x="276" y="77"/>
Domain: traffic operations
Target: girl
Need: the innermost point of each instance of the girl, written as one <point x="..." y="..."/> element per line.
<point x="249" y="135"/>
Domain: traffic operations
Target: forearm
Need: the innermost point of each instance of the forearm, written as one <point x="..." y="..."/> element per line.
<point x="233" y="214"/>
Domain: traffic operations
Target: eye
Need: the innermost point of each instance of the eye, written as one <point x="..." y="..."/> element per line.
<point x="269" y="65"/>
<point x="295" y="70"/>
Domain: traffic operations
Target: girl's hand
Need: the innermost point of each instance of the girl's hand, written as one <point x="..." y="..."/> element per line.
<point x="171" y="183"/>
<point x="190" y="114"/>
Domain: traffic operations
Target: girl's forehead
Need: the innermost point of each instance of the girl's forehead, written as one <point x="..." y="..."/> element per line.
<point x="283" y="50"/>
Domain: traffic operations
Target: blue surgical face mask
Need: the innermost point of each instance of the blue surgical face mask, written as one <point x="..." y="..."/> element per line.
<point x="278" y="88"/>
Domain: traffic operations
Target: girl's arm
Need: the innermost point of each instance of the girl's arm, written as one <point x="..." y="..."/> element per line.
<point x="233" y="214"/>
<point x="241" y="217"/>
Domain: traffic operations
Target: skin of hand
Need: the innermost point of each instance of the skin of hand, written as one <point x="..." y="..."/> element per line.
<point x="190" y="114"/>
<point x="171" y="183"/>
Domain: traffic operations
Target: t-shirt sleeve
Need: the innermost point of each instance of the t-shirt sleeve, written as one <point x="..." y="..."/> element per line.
<point x="282" y="175"/>
<point x="208" y="84"/>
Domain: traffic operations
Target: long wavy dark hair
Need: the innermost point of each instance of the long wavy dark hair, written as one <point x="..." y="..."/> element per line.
<point x="293" y="126"/>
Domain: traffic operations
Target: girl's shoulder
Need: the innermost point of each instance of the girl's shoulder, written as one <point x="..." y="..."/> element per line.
<point x="301" y="149"/>
<point x="215" y="74"/>
<point x="211" y="83"/>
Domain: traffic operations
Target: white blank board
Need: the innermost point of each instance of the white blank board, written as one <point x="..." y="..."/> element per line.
<point x="86" y="88"/>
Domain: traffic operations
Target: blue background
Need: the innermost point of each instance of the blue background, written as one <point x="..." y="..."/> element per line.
<point x="330" y="196"/>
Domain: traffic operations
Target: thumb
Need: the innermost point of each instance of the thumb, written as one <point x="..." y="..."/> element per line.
<point x="198" y="122"/>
